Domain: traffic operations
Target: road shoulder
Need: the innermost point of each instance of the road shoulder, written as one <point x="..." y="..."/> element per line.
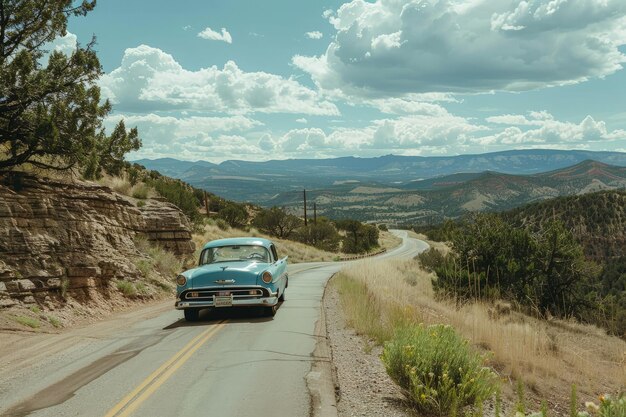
<point x="363" y="386"/>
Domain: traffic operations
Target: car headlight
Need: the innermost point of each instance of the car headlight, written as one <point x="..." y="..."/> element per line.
<point x="267" y="277"/>
<point x="181" y="280"/>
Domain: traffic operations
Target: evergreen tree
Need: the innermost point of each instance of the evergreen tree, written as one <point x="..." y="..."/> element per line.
<point x="51" y="114"/>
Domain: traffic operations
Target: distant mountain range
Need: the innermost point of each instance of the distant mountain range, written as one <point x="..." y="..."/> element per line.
<point x="259" y="182"/>
<point x="454" y="195"/>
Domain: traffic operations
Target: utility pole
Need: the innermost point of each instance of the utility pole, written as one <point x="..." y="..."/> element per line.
<point x="206" y="204"/>
<point x="304" y="194"/>
<point x="314" y="213"/>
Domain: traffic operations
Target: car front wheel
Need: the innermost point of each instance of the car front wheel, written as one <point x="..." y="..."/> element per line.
<point x="192" y="314"/>
<point x="270" y="311"/>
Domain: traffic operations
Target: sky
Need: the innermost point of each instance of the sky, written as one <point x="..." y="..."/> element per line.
<point x="274" y="79"/>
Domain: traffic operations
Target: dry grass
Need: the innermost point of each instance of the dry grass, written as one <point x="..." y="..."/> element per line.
<point x="297" y="252"/>
<point x="388" y="241"/>
<point x="548" y="356"/>
<point x="440" y="246"/>
<point x="123" y="186"/>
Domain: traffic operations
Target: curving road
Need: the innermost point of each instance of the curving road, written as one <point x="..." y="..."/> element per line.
<point x="152" y="363"/>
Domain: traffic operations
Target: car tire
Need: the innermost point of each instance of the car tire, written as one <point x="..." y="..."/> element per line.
<point x="270" y="311"/>
<point x="192" y="314"/>
<point x="282" y="297"/>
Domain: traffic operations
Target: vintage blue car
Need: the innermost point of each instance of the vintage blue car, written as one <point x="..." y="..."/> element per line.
<point x="231" y="273"/>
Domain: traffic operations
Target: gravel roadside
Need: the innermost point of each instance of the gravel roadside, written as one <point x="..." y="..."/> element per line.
<point x="365" y="389"/>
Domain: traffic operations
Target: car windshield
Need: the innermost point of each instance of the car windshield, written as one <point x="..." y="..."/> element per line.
<point x="234" y="253"/>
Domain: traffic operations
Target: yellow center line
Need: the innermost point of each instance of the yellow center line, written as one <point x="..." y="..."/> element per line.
<point x="158" y="377"/>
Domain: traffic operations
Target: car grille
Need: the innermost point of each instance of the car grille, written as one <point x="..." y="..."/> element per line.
<point x="238" y="294"/>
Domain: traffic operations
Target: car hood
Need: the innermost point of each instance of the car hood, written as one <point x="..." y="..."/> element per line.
<point x="243" y="273"/>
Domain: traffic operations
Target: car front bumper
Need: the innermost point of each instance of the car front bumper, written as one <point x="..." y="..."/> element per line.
<point x="256" y="302"/>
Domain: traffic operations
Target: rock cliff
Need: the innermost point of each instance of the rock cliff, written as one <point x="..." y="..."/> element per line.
<point x="59" y="238"/>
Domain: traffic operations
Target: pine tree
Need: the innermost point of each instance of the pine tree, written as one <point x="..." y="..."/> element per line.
<point x="51" y="113"/>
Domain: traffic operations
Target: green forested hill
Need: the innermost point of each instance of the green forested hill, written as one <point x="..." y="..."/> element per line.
<point x="597" y="220"/>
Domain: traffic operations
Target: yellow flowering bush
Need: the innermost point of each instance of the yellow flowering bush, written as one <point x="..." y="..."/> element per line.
<point x="437" y="369"/>
<point x="608" y="407"/>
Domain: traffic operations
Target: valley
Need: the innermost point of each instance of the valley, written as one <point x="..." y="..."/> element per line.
<point x="384" y="194"/>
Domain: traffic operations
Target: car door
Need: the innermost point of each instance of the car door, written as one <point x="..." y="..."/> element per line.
<point x="281" y="267"/>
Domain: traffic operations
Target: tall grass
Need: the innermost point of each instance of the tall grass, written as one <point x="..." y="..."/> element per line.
<point x="379" y="294"/>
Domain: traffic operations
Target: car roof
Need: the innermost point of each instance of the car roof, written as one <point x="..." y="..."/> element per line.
<point x="242" y="241"/>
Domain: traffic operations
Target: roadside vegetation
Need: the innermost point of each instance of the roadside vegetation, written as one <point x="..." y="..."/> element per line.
<point x="382" y="299"/>
<point x="540" y="268"/>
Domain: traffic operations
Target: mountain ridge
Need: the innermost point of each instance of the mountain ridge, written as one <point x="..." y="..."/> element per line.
<point x="486" y="191"/>
<point x="239" y="180"/>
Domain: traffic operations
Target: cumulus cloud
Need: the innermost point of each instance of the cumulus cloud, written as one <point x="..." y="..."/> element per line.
<point x="394" y="47"/>
<point x="546" y="130"/>
<point x="414" y="133"/>
<point x="314" y="35"/>
<point x="212" y="35"/>
<point x="149" y="79"/>
<point x="535" y="118"/>
<point x="444" y="135"/>
<point x="302" y="120"/>
<point x="403" y="106"/>
<point x="219" y="138"/>
<point x="194" y="137"/>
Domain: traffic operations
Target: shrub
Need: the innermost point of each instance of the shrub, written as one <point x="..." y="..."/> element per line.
<point x="127" y="288"/>
<point x="54" y="321"/>
<point x="430" y="259"/>
<point x="277" y="222"/>
<point x="611" y="407"/>
<point x="437" y="369"/>
<point x="140" y="191"/>
<point x="234" y="214"/>
<point x="178" y="193"/>
<point x="144" y="266"/>
<point x="65" y="285"/>
<point x="27" y="321"/>
<point x="222" y="224"/>
<point x="359" y="237"/>
<point x="142" y="289"/>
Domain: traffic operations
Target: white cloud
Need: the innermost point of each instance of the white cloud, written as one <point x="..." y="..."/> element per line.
<point x="196" y="137"/>
<point x="549" y="131"/>
<point x="404" y="106"/>
<point x="408" y="133"/>
<point x="394" y="47"/>
<point x="186" y="27"/>
<point x="302" y="120"/>
<point x="444" y="135"/>
<point x="149" y="79"/>
<point x="219" y="138"/>
<point x="535" y="118"/>
<point x="314" y="35"/>
<point x="212" y="35"/>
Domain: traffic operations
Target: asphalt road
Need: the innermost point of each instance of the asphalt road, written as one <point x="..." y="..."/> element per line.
<point x="152" y="363"/>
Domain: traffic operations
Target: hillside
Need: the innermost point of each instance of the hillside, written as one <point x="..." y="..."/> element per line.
<point x="455" y="195"/>
<point x="258" y="182"/>
<point x="598" y="220"/>
<point x="76" y="250"/>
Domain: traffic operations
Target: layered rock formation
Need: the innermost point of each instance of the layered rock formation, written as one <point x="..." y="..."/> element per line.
<point x="58" y="237"/>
